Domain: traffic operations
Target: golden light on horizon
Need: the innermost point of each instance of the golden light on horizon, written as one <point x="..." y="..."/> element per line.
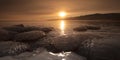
<point x="62" y="14"/>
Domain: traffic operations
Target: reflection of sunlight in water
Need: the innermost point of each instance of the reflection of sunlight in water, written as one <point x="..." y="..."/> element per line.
<point x="63" y="59"/>
<point x="62" y="27"/>
<point x="63" y="54"/>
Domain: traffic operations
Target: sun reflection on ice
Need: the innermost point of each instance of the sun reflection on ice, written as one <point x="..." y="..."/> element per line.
<point x="62" y="27"/>
<point x="63" y="55"/>
<point x="63" y="59"/>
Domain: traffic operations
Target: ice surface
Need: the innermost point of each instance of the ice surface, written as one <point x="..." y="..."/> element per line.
<point x="99" y="42"/>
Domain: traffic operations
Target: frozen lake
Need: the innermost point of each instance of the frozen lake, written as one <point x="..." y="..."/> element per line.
<point x="72" y="44"/>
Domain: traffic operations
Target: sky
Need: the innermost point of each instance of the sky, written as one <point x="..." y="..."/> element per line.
<point x="48" y="9"/>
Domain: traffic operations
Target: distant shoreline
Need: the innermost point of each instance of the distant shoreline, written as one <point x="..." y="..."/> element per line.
<point x="97" y="16"/>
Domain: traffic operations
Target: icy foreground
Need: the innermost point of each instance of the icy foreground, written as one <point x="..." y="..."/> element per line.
<point x="21" y="42"/>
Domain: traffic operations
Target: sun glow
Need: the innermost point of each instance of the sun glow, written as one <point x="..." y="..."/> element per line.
<point x="62" y="14"/>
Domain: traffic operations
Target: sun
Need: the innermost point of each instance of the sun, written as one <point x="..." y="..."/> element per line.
<point x="62" y="14"/>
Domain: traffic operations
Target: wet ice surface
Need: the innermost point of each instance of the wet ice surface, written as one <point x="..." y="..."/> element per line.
<point x="44" y="55"/>
<point x="67" y="44"/>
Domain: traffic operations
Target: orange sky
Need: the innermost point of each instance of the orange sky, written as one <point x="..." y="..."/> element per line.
<point x="48" y="9"/>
